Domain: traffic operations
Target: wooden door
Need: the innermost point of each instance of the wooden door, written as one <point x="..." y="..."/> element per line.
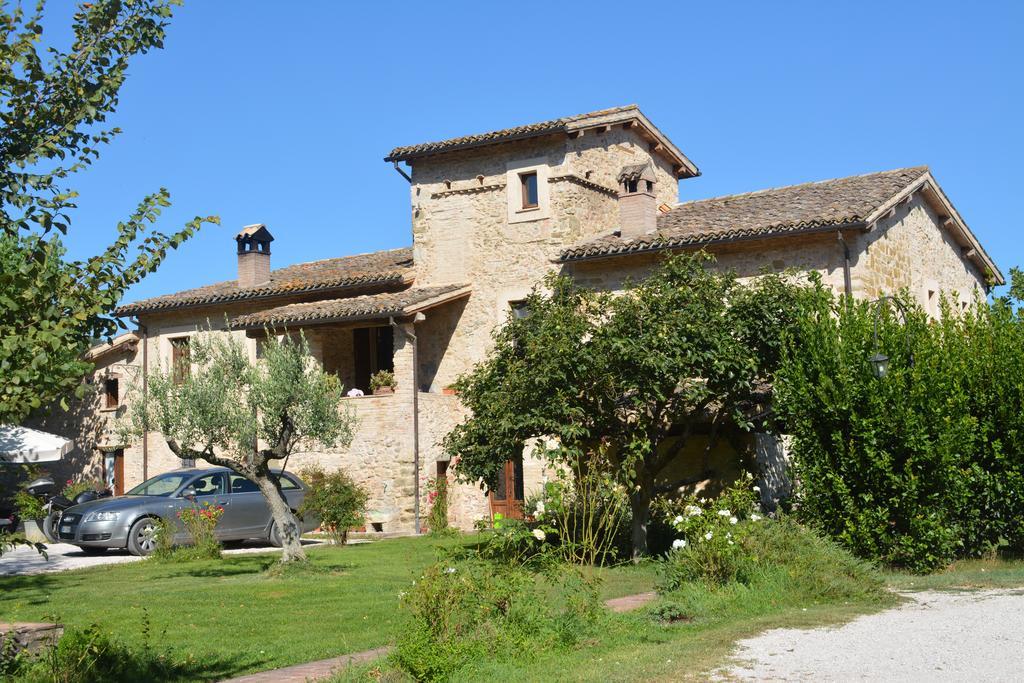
<point x="507" y="497"/>
<point x="113" y="471"/>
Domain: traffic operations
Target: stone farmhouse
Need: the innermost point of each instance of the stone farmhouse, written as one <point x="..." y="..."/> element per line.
<point x="595" y="196"/>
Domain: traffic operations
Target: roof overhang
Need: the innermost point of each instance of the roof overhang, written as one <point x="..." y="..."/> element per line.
<point x="627" y="117"/>
<point x="255" y="326"/>
<point x="949" y="218"/>
<point x="125" y="343"/>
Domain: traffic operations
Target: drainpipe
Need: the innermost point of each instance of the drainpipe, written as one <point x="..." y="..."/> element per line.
<point x="847" y="279"/>
<point x="145" y="394"/>
<point x="419" y="317"/>
<point x="402" y="172"/>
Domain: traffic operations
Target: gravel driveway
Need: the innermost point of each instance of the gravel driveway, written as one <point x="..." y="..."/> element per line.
<point x="64" y="556"/>
<point x="967" y="636"/>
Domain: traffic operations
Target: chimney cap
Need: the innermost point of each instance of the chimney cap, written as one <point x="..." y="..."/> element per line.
<point x="256" y="231"/>
<point x="636" y="172"/>
<point x="254" y="237"/>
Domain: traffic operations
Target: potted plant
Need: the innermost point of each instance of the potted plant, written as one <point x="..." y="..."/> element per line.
<point x="383" y="382"/>
<point x="30" y="510"/>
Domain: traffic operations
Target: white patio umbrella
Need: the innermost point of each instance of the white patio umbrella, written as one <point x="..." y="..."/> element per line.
<point x="21" y="445"/>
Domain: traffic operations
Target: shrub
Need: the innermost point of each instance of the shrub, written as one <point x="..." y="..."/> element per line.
<point x="477" y="610"/>
<point x="28" y="506"/>
<point x="73" y="488"/>
<point x="926" y="463"/>
<point x="710" y="547"/>
<point x="775" y="557"/>
<point x="91" y="655"/>
<point x="438" y="497"/>
<point x="164" y="536"/>
<point x="381" y="379"/>
<point x="512" y="542"/>
<point x="337" y="501"/>
<point x="588" y="511"/>
<point x="200" y="522"/>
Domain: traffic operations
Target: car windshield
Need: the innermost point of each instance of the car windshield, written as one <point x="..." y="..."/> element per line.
<point x="161" y="485"/>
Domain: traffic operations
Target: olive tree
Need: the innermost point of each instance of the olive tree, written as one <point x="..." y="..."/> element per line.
<point x="634" y="375"/>
<point x="246" y="415"/>
<point x="54" y="103"/>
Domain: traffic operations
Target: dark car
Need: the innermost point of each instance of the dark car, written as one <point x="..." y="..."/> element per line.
<point x="129" y="521"/>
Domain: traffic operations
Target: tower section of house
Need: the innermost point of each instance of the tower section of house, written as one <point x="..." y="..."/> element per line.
<point x="496" y="209"/>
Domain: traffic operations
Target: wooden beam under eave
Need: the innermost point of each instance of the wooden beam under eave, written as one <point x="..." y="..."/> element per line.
<point x="970" y="252"/>
<point x="656" y="147"/>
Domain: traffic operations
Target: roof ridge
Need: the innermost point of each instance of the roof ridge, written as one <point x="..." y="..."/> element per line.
<point x="923" y="168"/>
<point x="335" y="258"/>
<point x="538" y="125"/>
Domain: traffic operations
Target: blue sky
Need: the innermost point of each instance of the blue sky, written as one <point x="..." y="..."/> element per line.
<point x="281" y="113"/>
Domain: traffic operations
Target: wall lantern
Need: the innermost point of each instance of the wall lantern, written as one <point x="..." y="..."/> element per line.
<point x="879" y="365"/>
<point x="879" y="361"/>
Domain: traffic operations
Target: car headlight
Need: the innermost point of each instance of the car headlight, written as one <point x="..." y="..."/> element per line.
<point x="102" y="517"/>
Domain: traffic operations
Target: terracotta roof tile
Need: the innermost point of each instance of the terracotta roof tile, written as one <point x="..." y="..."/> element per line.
<point x="793" y="209"/>
<point x="377" y="268"/>
<point x="357" y="307"/>
<point x="566" y="124"/>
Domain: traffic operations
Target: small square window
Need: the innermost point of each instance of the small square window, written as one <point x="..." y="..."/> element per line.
<point x="520" y="308"/>
<point x="529" y="189"/>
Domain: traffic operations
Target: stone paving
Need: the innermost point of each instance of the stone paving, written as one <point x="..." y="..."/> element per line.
<point x="63" y="557"/>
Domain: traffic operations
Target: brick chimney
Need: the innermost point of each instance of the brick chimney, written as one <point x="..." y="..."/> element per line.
<point x="253" y="255"/>
<point x="638" y="208"/>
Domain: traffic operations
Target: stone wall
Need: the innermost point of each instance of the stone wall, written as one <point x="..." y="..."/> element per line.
<point x="911" y="250"/>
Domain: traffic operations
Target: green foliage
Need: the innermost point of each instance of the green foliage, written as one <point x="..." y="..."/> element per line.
<point x="623" y="374"/>
<point x="514" y="543"/>
<point x="587" y="510"/>
<point x="9" y="542"/>
<point x="381" y="379"/>
<point x="438" y="497"/>
<point x="471" y="612"/>
<point x="771" y="553"/>
<point x="28" y="506"/>
<point x="164" y="535"/>
<point x="91" y="655"/>
<point x="926" y="463"/>
<point x="711" y="534"/>
<point x="53" y="107"/>
<point x="73" y="488"/>
<point x="333" y="498"/>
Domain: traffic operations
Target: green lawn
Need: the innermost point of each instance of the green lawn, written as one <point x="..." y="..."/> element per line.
<point x="234" y="618"/>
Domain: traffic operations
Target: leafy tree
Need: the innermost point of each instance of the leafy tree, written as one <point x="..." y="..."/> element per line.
<point x="53" y="107"/>
<point x="632" y="376"/>
<point x="233" y="412"/>
<point x="926" y="463"/>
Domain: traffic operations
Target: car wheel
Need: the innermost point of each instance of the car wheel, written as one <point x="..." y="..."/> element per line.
<point x="50" y="523"/>
<point x="142" y="537"/>
<point x="92" y="549"/>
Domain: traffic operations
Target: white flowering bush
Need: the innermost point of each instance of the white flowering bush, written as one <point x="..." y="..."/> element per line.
<point x="709" y="535"/>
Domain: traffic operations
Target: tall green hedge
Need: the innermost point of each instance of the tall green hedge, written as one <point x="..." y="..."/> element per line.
<point x="926" y="463"/>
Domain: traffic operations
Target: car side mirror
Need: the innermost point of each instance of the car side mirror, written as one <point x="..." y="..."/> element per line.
<point x="188" y="492"/>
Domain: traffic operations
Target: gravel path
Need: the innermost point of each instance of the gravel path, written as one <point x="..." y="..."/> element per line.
<point x="970" y="636"/>
<point x="64" y="556"/>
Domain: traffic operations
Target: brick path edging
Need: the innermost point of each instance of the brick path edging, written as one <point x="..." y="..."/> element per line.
<point x="312" y="671"/>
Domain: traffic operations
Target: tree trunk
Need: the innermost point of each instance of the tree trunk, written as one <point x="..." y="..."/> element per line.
<point x="287" y="525"/>
<point x="640" y="506"/>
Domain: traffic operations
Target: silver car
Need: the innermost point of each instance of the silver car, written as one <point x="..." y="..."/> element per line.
<point x="128" y="521"/>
